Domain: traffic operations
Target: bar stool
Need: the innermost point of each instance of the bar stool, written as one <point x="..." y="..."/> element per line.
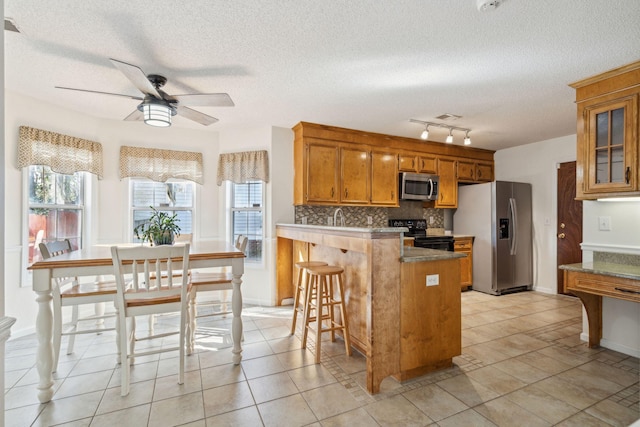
<point x="303" y="280"/>
<point x="321" y="281"/>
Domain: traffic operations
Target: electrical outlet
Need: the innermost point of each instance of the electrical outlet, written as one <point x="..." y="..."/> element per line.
<point x="369" y="220"/>
<point x="604" y="223"/>
<point x="431" y="220"/>
<point x="433" y="279"/>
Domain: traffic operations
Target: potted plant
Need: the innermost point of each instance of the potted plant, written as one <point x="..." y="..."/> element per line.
<point x="160" y="229"/>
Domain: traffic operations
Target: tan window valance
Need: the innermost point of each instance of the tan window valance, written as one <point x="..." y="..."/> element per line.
<point x="243" y="167"/>
<point x="160" y="165"/>
<point x="62" y="153"/>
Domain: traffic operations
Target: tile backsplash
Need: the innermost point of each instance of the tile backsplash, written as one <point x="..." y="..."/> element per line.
<point x="356" y="216"/>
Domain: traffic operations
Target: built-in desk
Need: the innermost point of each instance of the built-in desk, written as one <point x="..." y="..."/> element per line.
<point x="590" y="281"/>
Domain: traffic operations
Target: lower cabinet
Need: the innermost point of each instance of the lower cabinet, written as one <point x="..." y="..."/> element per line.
<point x="465" y="245"/>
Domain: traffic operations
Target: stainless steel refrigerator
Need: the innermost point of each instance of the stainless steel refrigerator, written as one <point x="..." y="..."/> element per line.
<point x="499" y="215"/>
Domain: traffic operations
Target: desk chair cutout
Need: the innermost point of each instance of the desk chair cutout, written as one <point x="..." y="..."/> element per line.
<point x="67" y="291"/>
<point x="143" y="295"/>
<point x="207" y="282"/>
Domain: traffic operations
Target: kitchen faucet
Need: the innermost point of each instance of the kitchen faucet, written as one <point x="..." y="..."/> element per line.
<point x="335" y="217"/>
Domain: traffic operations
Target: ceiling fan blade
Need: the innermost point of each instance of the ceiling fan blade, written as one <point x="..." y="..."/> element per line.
<point x="102" y="93"/>
<point x="196" y="116"/>
<point x="137" y="77"/>
<point x="205" y="100"/>
<point x="134" y="116"/>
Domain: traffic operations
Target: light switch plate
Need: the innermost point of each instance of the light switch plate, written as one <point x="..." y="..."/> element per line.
<point x="604" y="223"/>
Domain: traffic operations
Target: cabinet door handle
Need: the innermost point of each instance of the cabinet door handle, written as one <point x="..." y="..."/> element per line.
<point x="628" y="291"/>
<point x="332" y="192"/>
<point x="346" y="193"/>
<point x="627" y="174"/>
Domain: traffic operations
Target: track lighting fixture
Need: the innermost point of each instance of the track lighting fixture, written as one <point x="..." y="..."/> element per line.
<point x="425" y="133"/>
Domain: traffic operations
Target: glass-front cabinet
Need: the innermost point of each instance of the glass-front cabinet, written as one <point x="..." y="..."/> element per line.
<point x="611" y="147"/>
<point x="608" y="157"/>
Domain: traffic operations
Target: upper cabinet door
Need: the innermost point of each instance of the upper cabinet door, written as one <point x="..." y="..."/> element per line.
<point x="384" y="178"/>
<point x="611" y="145"/>
<point x="448" y="191"/>
<point x="322" y="173"/>
<point x="354" y="172"/>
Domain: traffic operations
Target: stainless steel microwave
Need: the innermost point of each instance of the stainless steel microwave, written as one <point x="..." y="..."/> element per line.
<point x="418" y="186"/>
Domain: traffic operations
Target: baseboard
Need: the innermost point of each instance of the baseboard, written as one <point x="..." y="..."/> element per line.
<point x="614" y="346"/>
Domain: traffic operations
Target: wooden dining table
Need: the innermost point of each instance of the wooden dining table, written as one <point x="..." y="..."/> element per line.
<point x="95" y="261"/>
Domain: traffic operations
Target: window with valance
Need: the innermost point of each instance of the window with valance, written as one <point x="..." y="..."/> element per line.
<point x="242" y="167"/>
<point x="160" y="165"/>
<point x="64" y="154"/>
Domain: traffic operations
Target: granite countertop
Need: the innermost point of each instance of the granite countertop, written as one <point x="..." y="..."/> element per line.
<point x="463" y="236"/>
<point x="412" y="254"/>
<point x="348" y="229"/>
<point x="605" y="268"/>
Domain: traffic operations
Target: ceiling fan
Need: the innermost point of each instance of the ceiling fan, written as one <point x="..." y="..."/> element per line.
<point x="157" y="107"/>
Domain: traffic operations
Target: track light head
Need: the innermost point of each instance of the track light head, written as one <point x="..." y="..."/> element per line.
<point x="467" y="140"/>
<point x="425" y="133"/>
<point x="449" y="139"/>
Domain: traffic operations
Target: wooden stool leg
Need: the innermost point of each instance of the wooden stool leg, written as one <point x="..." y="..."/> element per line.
<point x="319" y="310"/>
<point x="296" y="301"/>
<point x="343" y="315"/>
<point x="307" y="308"/>
<point x="330" y="307"/>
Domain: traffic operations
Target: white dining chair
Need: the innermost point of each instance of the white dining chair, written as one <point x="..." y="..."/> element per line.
<point x="208" y="282"/>
<point x="67" y="291"/>
<point x="139" y="294"/>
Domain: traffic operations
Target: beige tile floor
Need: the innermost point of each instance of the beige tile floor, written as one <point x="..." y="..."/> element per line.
<point x="523" y="364"/>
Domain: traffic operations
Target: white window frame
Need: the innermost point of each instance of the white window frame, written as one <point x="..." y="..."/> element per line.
<point x="232" y="209"/>
<point x="133" y="209"/>
<point x="85" y="209"/>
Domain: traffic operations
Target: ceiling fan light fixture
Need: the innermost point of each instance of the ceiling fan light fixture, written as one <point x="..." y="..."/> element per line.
<point x="156" y="114"/>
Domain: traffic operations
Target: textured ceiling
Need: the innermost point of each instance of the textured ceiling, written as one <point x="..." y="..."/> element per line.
<point x="361" y="64"/>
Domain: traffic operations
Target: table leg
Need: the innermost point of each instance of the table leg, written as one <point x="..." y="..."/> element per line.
<point x="44" y="356"/>
<point x="236" y="325"/>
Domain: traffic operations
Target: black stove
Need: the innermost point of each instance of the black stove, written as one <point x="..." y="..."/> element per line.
<point x="418" y="230"/>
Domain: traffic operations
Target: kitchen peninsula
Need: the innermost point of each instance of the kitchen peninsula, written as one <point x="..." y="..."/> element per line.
<point x="403" y="303"/>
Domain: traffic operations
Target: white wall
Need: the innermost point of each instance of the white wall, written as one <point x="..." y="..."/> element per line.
<point x="109" y="204"/>
<point x="537" y="164"/>
<point x="620" y="319"/>
<point x="259" y="279"/>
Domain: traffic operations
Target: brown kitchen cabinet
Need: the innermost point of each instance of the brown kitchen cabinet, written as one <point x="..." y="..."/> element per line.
<point x="322" y="173"/>
<point x="448" y="190"/>
<point x="355" y="181"/>
<point x="607" y="160"/>
<point x="384" y="178"/>
<point x="474" y="172"/>
<point x="417" y="163"/>
<point x="464" y="244"/>
<point x="337" y="166"/>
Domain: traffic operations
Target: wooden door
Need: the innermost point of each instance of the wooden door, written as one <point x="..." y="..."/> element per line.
<point x="428" y="164"/>
<point x="384" y="178"/>
<point x="354" y="175"/>
<point x="569" y="232"/>
<point x="322" y="174"/>
<point x="484" y="172"/>
<point x="407" y="163"/>
<point x="448" y="197"/>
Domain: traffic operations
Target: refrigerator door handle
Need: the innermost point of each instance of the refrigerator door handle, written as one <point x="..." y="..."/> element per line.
<point x="513" y="211"/>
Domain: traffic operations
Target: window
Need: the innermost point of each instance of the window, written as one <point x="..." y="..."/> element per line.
<point x="172" y="197"/>
<point x="56" y="208"/>
<point x="246" y="216"/>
